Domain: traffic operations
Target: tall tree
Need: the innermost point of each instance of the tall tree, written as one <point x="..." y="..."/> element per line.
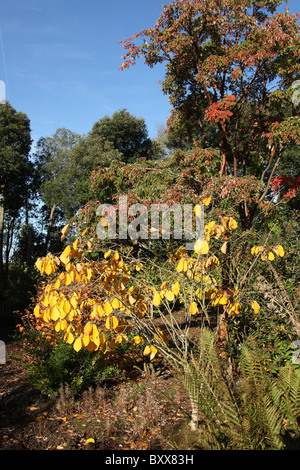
<point x="15" y="173"/>
<point x="116" y="140"/>
<point x="226" y="87"/>
<point x="53" y="158"/>
<point x="127" y="133"/>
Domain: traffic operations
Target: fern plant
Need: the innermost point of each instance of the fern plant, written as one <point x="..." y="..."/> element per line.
<point x="251" y="412"/>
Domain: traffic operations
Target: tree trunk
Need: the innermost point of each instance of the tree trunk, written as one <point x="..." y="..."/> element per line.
<point x="50" y="225"/>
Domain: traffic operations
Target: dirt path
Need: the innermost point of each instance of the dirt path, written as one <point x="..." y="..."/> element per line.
<point x="20" y="403"/>
<point x="126" y="416"/>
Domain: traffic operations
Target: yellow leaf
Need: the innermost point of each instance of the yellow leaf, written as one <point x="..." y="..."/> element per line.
<point x="73" y="302"/>
<point x="156" y="299"/>
<point x="153" y="352"/>
<point x="68" y="279"/>
<point x="85" y="340"/>
<point x="198" y="211"/>
<point x="115" y="303"/>
<point x="107" y="254"/>
<point x="54" y="313"/>
<point x="45" y="301"/>
<point x="176" y="288"/>
<point x="206" y="201"/>
<point x="147" y="351"/>
<point x="77" y="344"/>
<point x="64" y="257"/>
<point x="90" y="440"/>
<point x="57" y="284"/>
<point x="102" y="338"/>
<point x="278" y="250"/>
<point x="271" y="256"/>
<point x="95" y="335"/>
<point x="219" y="298"/>
<point x="199" y="293"/>
<point x="180" y="266"/>
<point x="169" y="295"/>
<point x="224" y="247"/>
<point x="108" y="308"/>
<point x="255" y="250"/>
<point x="48" y="268"/>
<point x="131" y="299"/>
<point x="66" y="307"/>
<point x="111" y="323"/>
<point x="232" y="224"/>
<point x="63" y="325"/>
<point x="114" y="322"/>
<point x="69" y="338"/>
<point x="201" y="246"/>
<point x="75" y="244"/>
<point x="36" y="311"/>
<point x="233" y="309"/>
<point x="84" y="232"/>
<point x="88" y="329"/>
<point x="100" y="311"/>
<point x="65" y="231"/>
<point x="193" y="308"/>
<point x="137" y="340"/>
<point x="255" y="306"/>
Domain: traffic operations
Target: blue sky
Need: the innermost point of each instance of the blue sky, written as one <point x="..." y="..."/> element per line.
<point x="60" y="61"/>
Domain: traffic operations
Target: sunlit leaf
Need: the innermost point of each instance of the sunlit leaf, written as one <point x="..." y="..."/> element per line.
<point x="153" y="352"/>
<point x="176" y="288"/>
<point x="224" y="247"/>
<point x="36" y="311"/>
<point x="65" y="231"/>
<point x="180" y="266"/>
<point x="115" y="303"/>
<point x="69" y="338"/>
<point x="278" y="250"/>
<point x="107" y="307"/>
<point x="64" y="257"/>
<point x="206" y="201"/>
<point x="77" y="344"/>
<point x="85" y="340"/>
<point x="169" y="295"/>
<point x="136" y="340"/>
<point x="68" y="279"/>
<point x="232" y="224"/>
<point x="193" y="308"/>
<point x="201" y="246"/>
<point x="54" y="313"/>
<point x="255" y="306"/>
<point x="111" y="323"/>
<point x="156" y="299"/>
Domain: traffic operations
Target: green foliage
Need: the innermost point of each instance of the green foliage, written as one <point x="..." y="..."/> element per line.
<point x="16" y="173"/>
<point x="248" y="411"/>
<point x="51" y="367"/>
<point x="127" y="135"/>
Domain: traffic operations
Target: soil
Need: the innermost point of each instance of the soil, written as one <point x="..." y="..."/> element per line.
<point x="116" y="416"/>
